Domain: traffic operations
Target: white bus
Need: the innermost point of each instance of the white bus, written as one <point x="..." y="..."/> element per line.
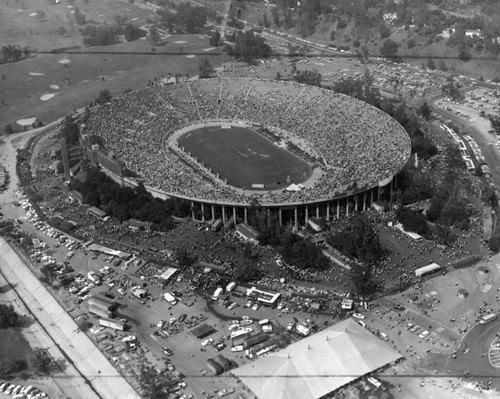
<point x="488" y="318"/>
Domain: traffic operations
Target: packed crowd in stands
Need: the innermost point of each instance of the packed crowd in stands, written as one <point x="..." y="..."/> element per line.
<point x="359" y="143"/>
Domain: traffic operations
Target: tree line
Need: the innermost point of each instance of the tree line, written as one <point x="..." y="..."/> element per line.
<point x="125" y="203"/>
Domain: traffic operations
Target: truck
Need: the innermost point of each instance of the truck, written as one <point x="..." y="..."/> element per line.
<point x="117" y="325"/>
<point x="488" y="318"/>
<point x="217" y="293"/>
<point x="170" y="298"/>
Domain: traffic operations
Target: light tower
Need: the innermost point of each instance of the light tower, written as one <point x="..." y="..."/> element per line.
<point x="224" y="20"/>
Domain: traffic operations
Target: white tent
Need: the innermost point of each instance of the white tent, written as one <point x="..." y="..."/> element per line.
<point x="318" y="365"/>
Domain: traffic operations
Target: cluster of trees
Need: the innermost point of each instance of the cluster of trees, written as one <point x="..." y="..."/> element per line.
<point x="295" y="250"/>
<point x="106" y="35"/>
<point x="359" y="240"/>
<point x="248" y="47"/>
<point x="11" y="53"/>
<point x="183" y="18"/>
<point x="312" y="78"/>
<point x="412" y="221"/>
<point x="449" y="206"/>
<point x="8" y="316"/>
<point x="70" y="131"/>
<point x="125" y="203"/>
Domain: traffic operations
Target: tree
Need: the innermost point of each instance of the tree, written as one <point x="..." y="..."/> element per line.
<point x="8" y="316"/>
<point x="154" y="35"/>
<point x="215" y="39"/>
<point x="103" y="97"/>
<point x="464" y="52"/>
<point x="495" y="123"/>
<point x="384" y="31"/>
<point x="425" y="110"/>
<point x="276" y="17"/>
<point x="442" y="66"/>
<point x="79" y="17"/>
<point x="41" y="361"/>
<point x="306" y="25"/>
<point x="389" y="50"/>
<point x="205" y="69"/>
<point x="9" y="129"/>
<point x="70" y="131"/>
<point x="430" y="64"/>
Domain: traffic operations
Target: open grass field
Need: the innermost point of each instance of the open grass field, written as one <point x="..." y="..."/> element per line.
<point x="25" y="82"/>
<point x="65" y="88"/>
<point x="244" y="157"/>
<point x="13" y="346"/>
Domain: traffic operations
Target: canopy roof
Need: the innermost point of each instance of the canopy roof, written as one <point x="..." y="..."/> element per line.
<point x="317" y="365"/>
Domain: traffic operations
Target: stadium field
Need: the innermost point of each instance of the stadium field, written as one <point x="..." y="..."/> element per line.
<point x="245" y="158"/>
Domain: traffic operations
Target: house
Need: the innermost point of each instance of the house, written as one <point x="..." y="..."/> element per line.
<point x="474" y="33"/>
<point x="390" y="17"/>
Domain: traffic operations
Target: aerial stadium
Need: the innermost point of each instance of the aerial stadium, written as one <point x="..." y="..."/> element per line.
<point x="227" y="145"/>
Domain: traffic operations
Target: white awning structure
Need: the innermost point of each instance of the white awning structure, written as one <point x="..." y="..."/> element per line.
<point x="317" y="365"/>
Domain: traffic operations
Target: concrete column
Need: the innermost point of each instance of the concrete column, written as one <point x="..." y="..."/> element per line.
<point x="307" y="213"/>
<point x="246" y="215"/>
<point x="213" y="211"/>
<point x="234" y="214"/>
<point x="281" y="217"/>
<point x="296" y="214"/>
<point x="347" y="206"/>
<point x="192" y="210"/>
<point x="364" y="201"/>
<point x="356" y="202"/>
<point x="202" y="212"/>
<point x="328" y="211"/>
<point x="338" y="208"/>
<point x="371" y="194"/>
<point x="317" y="210"/>
<point x="223" y="215"/>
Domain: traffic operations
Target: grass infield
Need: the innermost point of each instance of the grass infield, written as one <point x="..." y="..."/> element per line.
<point x="244" y="157"/>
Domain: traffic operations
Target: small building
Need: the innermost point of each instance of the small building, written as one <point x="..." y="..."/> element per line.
<point x="471" y="33"/>
<point x="136" y="225"/>
<point x="247" y="233"/>
<point x="97" y="212"/>
<point x="76" y="196"/>
<point x="202" y="331"/>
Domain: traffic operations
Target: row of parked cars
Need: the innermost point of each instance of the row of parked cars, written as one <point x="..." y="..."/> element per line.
<point x="21" y="392"/>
